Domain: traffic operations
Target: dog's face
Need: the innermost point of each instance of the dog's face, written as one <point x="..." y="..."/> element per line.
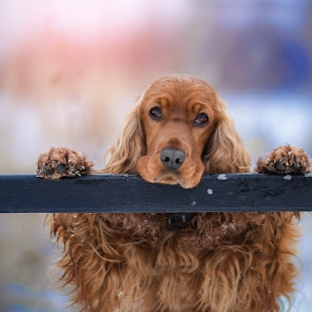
<point x="178" y="117"/>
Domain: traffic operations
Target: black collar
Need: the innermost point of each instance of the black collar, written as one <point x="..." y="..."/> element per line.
<point x="178" y="220"/>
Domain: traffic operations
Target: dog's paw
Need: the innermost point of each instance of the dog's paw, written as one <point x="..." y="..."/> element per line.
<point x="62" y="162"/>
<point x="285" y="159"/>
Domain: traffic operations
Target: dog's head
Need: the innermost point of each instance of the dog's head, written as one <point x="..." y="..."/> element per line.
<point x="178" y="130"/>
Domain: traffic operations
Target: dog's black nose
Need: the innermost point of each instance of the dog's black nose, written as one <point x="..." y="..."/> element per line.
<point x="172" y="158"/>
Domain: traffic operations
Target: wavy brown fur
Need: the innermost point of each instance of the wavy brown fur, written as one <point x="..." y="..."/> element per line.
<point x="219" y="262"/>
<point x="222" y="262"/>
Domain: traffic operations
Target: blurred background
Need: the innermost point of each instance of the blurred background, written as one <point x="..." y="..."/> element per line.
<point x="70" y="71"/>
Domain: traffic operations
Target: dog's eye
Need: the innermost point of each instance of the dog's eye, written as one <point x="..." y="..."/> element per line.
<point x="155" y="113"/>
<point x="201" y="120"/>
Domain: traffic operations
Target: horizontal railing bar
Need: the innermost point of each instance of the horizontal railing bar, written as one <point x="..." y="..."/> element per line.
<point x="129" y="193"/>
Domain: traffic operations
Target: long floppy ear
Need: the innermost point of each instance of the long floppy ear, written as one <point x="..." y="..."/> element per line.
<point x="129" y="145"/>
<point x="226" y="152"/>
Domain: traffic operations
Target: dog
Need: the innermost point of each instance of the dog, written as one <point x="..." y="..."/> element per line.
<point x="178" y="130"/>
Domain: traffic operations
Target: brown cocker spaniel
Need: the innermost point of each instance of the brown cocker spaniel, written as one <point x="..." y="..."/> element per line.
<point x="178" y="130"/>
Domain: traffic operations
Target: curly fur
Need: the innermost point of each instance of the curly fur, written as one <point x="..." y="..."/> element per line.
<point x="220" y="262"/>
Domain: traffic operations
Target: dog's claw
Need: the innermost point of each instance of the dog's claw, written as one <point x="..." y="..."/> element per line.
<point x="62" y="162"/>
<point x="280" y="166"/>
<point x="47" y="171"/>
<point x="61" y="168"/>
<point x="285" y="159"/>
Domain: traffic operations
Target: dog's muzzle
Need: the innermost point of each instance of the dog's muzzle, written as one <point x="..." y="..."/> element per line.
<point x="178" y="220"/>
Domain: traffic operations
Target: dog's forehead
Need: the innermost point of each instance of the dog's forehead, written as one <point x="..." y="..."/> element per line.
<point x="181" y="89"/>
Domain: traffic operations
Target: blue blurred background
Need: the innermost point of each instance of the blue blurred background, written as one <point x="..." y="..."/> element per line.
<point x="70" y="71"/>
